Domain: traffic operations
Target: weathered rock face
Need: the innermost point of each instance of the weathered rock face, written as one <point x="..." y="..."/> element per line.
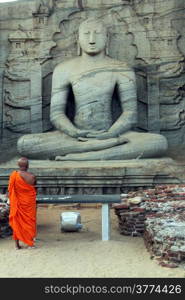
<point x="37" y="35"/>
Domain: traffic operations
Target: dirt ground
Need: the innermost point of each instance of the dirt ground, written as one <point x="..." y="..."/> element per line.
<point x="80" y="254"/>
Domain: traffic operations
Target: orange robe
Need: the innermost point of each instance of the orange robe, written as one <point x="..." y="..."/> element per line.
<point x="22" y="218"/>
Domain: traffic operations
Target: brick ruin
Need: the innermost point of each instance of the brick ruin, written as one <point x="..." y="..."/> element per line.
<point x="5" y="229"/>
<point x="157" y="215"/>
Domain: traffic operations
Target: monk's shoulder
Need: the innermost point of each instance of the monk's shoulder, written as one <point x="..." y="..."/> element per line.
<point x="13" y="173"/>
<point x="31" y="175"/>
<point x="27" y="175"/>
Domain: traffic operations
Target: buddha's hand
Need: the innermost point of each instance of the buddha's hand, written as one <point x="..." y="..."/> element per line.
<point x="80" y="133"/>
<point x="107" y="135"/>
<point x="85" y="135"/>
<point x="100" y="135"/>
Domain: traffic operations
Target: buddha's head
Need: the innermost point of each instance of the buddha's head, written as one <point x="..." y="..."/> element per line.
<point x="92" y="36"/>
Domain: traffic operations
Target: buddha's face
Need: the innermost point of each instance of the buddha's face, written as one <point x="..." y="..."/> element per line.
<point x="92" y="37"/>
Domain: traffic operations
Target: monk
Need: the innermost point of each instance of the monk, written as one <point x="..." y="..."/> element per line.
<point x="22" y="195"/>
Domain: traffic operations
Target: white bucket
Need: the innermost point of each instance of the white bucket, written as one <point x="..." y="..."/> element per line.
<point x="70" y="221"/>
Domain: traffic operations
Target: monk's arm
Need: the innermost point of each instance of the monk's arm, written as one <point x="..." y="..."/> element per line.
<point x="60" y="89"/>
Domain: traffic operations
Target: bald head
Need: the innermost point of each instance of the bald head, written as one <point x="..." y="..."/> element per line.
<point x="23" y="163"/>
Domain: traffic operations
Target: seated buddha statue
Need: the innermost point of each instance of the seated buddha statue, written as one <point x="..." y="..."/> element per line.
<point x="93" y="134"/>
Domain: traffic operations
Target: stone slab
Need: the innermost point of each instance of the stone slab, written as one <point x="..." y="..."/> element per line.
<point x="103" y="177"/>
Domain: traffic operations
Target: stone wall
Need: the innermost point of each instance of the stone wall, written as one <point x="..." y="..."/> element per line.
<point x="37" y="35"/>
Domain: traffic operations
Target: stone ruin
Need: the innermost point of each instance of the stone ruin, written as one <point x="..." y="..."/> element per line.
<point x="157" y="215"/>
<point x="5" y="229"/>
